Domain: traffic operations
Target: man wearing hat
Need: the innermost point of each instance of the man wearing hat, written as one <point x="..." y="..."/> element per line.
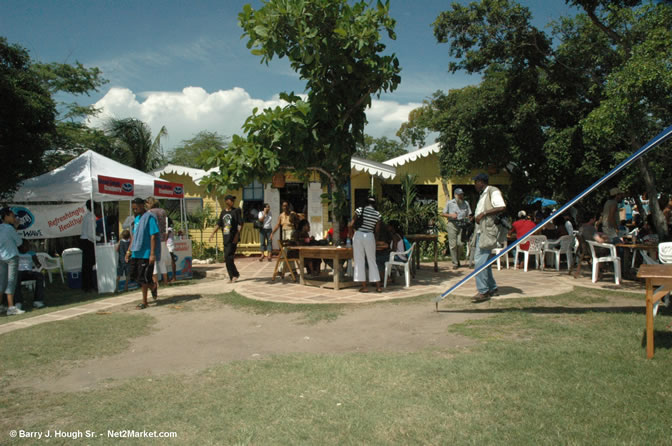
<point x="230" y="221"/>
<point x="458" y="212"/>
<point x="610" y="215"/>
<point x="489" y="234"/>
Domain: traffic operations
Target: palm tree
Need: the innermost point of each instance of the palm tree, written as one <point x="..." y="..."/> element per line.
<point x="134" y="143"/>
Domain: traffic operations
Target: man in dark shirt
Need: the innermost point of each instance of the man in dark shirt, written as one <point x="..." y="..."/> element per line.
<point x="230" y="223"/>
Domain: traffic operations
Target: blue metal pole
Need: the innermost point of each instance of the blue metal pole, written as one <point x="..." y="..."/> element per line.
<point x="656" y="141"/>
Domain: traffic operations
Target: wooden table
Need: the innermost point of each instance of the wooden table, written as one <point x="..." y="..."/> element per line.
<point x="656" y="276"/>
<point x="335" y="253"/>
<point x="417" y="238"/>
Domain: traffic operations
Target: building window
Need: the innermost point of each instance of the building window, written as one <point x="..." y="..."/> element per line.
<point x="193" y="205"/>
<point x="253" y="191"/>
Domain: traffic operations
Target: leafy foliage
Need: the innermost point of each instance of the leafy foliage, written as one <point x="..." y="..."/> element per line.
<point x="556" y="115"/>
<point x="414" y="216"/>
<point x="335" y="47"/>
<point x="134" y="145"/>
<point x="379" y="149"/>
<point x="27" y="117"/>
<point x="191" y="151"/>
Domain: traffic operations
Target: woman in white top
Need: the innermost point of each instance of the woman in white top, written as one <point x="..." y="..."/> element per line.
<point x="265" y="239"/>
<point x="364" y="245"/>
<point x="9" y="258"/>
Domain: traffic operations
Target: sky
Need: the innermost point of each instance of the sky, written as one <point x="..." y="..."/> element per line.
<point x="182" y="64"/>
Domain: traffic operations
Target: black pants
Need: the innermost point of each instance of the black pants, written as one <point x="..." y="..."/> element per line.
<point x="229" y="255"/>
<point x="88" y="260"/>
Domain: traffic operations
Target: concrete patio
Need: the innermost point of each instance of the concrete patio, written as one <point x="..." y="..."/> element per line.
<point x="255" y="283"/>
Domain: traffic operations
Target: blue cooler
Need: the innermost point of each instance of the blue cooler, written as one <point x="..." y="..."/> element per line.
<point x="75" y="280"/>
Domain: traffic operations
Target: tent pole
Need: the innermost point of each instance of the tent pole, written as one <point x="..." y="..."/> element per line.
<point x="102" y="213"/>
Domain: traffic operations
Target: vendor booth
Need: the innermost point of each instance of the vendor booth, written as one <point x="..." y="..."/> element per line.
<point x="53" y="205"/>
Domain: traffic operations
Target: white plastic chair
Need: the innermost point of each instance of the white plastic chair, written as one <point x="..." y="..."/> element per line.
<point x="496" y="251"/>
<point x="407" y="265"/>
<point x="536" y="249"/>
<point x="50" y="264"/>
<point x="611" y="258"/>
<point x="665" y="252"/>
<point x="563" y="245"/>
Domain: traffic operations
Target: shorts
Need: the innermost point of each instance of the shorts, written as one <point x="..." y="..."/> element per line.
<point x="160" y="267"/>
<point x="141" y="271"/>
<point x="123" y="269"/>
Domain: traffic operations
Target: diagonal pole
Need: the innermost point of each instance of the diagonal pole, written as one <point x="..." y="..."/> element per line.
<point x="656" y="141"/>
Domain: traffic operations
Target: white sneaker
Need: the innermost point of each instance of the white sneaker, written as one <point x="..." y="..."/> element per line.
<point x="11" y="311"/>
<point x="38" y="304"/>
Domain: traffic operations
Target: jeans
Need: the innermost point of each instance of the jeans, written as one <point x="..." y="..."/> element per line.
<point x="266" y="243"/>
<point x="9" y="273"/>
<point x="485" y="281"/>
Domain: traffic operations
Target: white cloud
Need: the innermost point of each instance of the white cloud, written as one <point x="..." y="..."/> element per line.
<point x="193" y="109"/>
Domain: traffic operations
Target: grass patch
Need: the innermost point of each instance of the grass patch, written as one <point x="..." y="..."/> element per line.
<point x="33" y="350"/>
<point x="310" y="313"/>
<point x="551" y="370"/>
<point x="576" y="379"/>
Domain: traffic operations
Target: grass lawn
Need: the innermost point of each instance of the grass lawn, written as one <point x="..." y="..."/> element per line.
<point x="542" y="373"/>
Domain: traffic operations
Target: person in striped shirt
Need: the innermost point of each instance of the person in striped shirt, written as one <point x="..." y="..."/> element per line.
<point x="366" y="223"/>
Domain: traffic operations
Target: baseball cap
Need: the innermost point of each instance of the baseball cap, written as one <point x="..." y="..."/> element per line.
<point x="229" y="197"/>
<point x="482" y="177"/>
<point x="458" y="191"/>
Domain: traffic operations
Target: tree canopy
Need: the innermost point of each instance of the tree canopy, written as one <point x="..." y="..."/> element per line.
<point x="134" y="145"/>
<point x="557" y="111"/>
<point x="335" y="46"/>
<point x="27" y="114"/>
<point x="379" y="149"/>
<point x="190" y="153"/>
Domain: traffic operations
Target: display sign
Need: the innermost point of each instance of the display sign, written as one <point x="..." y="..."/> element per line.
<point x="115" y="186"/>
<point x="183" y="262"/>
<point x="42" y="221"/>
<point x="164" y="189"/>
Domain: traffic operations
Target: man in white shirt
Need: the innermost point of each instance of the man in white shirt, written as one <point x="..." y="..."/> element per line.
<point x="489" y="234"/>
<point x="87" y="243"/>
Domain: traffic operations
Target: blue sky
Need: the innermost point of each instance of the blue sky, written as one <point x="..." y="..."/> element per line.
<point x="182" y="64"/>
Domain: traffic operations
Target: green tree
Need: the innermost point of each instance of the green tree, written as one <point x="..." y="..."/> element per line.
<point x="191" y="151"/>
<point x="557" y="115"/>
<point x="27" y="116"/>
<point x="134" y="143"/>
<point x="335" y="46"/>
<point x="379" y="149"/>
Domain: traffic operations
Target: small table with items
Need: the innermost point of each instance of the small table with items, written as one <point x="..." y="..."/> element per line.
<point x="656" y="276"/>
<point x="417" y="238"/>
<point x="630" y="253"/>
<point x="335" y="253"/>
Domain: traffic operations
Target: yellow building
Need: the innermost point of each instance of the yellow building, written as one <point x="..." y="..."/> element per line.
<point x="383" y="178"/>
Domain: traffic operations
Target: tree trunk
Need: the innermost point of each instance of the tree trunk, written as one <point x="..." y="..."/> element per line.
<point x="658" y="218"/>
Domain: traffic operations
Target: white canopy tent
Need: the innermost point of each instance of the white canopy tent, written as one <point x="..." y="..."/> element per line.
<point x="77" y="181"/>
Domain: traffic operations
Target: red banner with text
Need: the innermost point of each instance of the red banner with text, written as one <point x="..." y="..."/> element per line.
<point x="115" y="186"/>
<point x="163" y="189"/>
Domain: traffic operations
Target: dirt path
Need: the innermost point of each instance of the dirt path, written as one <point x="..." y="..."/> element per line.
<point x="189" y="341"/>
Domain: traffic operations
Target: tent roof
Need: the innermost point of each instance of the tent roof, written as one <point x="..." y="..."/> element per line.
<point x="74" y="181"/>
<point x="414" y="155"/>
<point x="373" y="168"/>
<point x="179" y="170"/>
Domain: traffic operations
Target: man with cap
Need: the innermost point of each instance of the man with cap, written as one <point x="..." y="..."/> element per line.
<point x="230" y="222"/>
<point x="458" y="213"/>
<point x="610" y="215"/>
<point x="489" y="234"/>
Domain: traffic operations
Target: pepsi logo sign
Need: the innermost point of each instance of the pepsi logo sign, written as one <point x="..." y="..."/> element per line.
<point x="24" y="217"/>
<point x="178" y="190"/>
<point x="127" y="187"/>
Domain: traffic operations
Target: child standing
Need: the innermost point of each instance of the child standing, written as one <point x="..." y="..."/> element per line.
<point x="122" y="266"/>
